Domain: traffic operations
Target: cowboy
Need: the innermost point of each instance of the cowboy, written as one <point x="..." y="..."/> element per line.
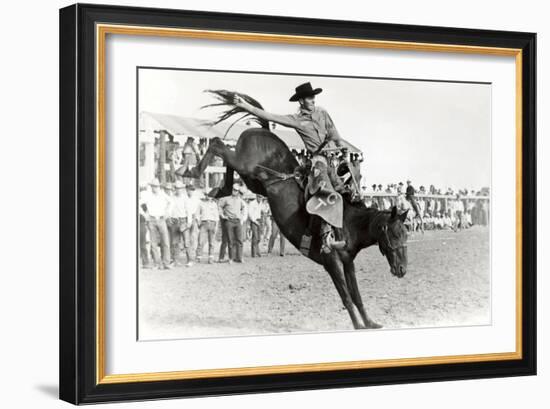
<point x="317" y="130"/>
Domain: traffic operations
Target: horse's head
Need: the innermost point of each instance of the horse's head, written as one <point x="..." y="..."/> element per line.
<point x="392" y="242"/>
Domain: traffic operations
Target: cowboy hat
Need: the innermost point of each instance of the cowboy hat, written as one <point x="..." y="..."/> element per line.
<point x="179" y="184"/>
<point x="154" y="182"/>
<point x="305" y="90"/>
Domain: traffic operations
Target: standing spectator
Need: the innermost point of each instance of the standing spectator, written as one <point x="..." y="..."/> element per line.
<point x="367" y="200"/>
<point x="232" y="210"/>
<point x="158" y="206"/>
<point x="173" y="157"/>
<point x="208" y="217"/>
<point x="467" y="219"/>
<point x="447" y="221"/>
<point x="458" y="210"/>
<point x="168" y="190"/>
<point x="409" y="196"/>
<point x="193" y="202"/>
<point x="243" y="193"/>
<point x="216" y="178"/>
<point x="422" y="206"/>
<point x="266" y="222"/>
<point x="275" y="231"/>
<point x="255" y="218"/>
<point x="379" y="199"/>
<point x="224" y="242"/>
<point x="144" y="236"/>
<point x="179" y="225"/>
<point x="430" y="206"/>
<point x="484" y="212"/>
<point x="470" y="204"/>
<point x="190" y="153"/>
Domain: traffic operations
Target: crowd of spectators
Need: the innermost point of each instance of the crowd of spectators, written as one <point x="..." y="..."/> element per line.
<point x="432" y="208"/>
<point x="177" y="221"/>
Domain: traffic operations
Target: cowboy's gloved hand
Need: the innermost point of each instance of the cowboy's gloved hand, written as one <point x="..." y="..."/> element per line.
<point x="238" y="101"/>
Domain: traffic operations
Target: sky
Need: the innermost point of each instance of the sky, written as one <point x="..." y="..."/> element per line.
<point x="430" y="132"/>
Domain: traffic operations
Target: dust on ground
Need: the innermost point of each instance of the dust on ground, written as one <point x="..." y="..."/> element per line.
<point x="447" y="284"/>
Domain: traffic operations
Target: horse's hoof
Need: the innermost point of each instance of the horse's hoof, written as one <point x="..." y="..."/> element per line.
<point x="373" y="325"/>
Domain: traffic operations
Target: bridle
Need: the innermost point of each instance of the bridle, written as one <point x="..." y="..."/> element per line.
<point x="387" y="244"/>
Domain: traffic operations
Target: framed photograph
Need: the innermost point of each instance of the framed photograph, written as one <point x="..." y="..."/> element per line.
<point x="257" y="203"/>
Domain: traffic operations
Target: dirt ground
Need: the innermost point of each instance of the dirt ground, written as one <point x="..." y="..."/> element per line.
<point x="447" y="284"/>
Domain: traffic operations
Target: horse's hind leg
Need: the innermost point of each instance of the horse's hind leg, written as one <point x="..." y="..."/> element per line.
<point x="332" y="265"/>
<point x="216" y="148"/>
<point x="353" y="288"/>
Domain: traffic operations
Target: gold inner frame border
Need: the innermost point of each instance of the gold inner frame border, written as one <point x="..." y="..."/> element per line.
<point x="102" y="30"/>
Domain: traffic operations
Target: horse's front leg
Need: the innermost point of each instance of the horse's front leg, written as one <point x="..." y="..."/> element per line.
<point x="353" y="288"/>
<point x="332" y="266"/>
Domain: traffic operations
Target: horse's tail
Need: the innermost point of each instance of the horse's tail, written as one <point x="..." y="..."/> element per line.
<point x="226" y="99"/>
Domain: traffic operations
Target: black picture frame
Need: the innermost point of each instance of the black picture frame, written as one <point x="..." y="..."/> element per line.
<point x="78" y="236"/>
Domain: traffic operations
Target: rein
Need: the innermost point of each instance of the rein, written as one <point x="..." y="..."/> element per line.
<point x="281" y="177"/>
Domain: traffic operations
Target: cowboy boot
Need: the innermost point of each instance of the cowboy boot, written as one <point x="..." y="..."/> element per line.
<point x="329" y="243"/>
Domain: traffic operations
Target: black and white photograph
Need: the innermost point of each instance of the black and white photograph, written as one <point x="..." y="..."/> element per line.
<point x="275" y="203"/>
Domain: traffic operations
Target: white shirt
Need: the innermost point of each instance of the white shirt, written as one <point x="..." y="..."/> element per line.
<point x="193" y="204"/>
<point x="208" y="210"/>
<point x="158" y="204"/>
<point x="254" y="211"/>
<point x="179" y="206"/>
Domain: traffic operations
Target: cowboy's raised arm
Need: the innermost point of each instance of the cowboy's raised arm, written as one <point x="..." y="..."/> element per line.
<point x="285" y="120"/>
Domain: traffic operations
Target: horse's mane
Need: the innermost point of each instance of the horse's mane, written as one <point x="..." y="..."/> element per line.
<point x="226" y="100"/>
<point x="363" y="214"/>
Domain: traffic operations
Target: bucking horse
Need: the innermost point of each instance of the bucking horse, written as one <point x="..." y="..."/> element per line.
<point x="267" y="167"/>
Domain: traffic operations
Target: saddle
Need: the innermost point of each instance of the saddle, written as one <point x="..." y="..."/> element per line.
<point x="322" y="198"/>
<point x="325" y="189"/>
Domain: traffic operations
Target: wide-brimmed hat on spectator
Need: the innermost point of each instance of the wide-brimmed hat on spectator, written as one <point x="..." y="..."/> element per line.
<point x="179" y="185"/>
<point x="154" y="182"/>
<point x="190" y="186"/>
<point x="168" y="186"/>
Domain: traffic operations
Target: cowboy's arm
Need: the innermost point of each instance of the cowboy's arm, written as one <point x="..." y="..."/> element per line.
<point x="285" y="120"/>
<point x="332" y="132"/>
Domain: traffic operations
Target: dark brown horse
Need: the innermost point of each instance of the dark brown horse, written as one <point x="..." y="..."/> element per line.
<point x="265" y="165"/>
